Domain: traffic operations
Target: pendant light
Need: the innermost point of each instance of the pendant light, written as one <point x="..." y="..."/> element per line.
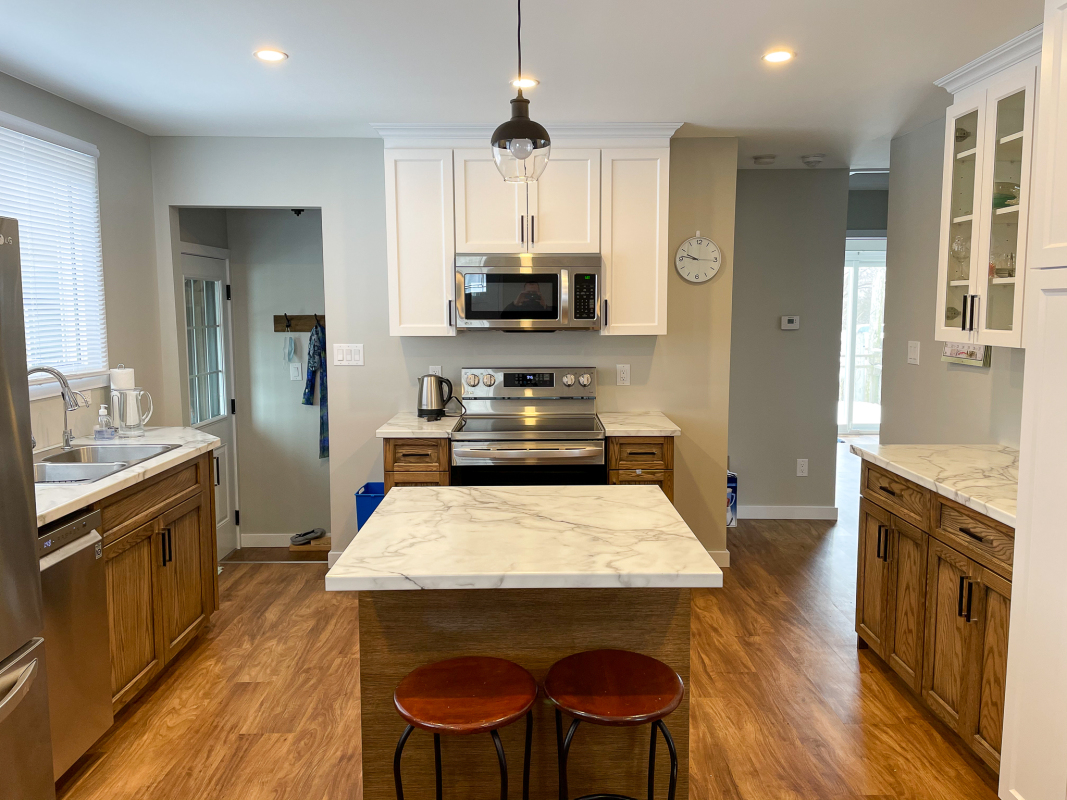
<point x="521" y="146"/>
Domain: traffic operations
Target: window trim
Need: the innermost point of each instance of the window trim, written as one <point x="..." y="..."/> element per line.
<point x="28" y="128"/>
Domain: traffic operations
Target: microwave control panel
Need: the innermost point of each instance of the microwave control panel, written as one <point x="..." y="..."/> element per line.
<point x="585" y="296"/>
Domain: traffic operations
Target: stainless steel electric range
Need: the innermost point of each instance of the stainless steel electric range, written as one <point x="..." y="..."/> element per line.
<point x="534" y="426"/>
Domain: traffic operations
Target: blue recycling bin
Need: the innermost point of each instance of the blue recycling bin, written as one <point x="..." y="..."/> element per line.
<point x="368" y="498"/>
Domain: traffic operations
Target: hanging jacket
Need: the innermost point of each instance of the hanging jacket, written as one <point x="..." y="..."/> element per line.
<point x="317" y="365"/>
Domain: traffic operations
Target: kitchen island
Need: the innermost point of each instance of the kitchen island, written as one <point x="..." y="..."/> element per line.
<point x="530" y="574"/>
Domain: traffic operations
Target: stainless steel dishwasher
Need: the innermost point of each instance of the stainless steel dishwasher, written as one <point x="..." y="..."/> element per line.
<point x="77" y="642"/>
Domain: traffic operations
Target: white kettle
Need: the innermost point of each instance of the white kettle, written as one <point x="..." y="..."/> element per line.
<point x="126" y="411"/>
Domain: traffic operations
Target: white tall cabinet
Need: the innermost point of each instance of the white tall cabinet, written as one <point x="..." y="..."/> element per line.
<point x="1048" y="233"/>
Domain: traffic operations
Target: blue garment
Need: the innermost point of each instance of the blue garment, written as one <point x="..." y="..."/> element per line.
<point x="317" y="364"/>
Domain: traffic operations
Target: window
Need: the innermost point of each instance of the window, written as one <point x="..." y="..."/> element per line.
<point x="48" y="183"/>
<point x="203" y="332"/>
<point x="859" y="398"/>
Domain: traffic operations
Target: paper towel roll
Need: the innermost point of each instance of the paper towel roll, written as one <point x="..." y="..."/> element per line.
<point x="122" y="378"/>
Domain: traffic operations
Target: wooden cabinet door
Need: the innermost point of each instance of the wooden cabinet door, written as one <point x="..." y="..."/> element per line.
<point x="948" y="634"/>
<point x="906" y="554"/>
<point x="183" y="589"/>
<point x="872" y="577"/>
<point x="564" y="204"/>
<point x="420" y="242"/>
<point x="137" y="651"/>
<point x="663" y="478"/>
<point x="1048" y="227"/>
<point x="633" y="239"/>
<point x="490" y="213"/>
<point x="990" y="610"/>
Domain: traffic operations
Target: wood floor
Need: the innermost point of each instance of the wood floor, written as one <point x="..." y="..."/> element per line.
<point x="784" y="707"/>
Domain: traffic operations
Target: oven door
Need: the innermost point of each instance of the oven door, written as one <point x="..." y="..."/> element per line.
<point x="511" y="298"/>
<point x="528" y="453"/>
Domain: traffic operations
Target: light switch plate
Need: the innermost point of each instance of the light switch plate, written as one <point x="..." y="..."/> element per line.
<point x="294" y="372"/>
<point x="348" y="355"/>
<point x="790" y="323"/>
<point x="913" y="352"/>
<point x="622" y="374"/>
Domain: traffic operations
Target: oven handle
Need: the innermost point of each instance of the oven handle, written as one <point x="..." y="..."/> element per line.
<point x="530" y="452"/>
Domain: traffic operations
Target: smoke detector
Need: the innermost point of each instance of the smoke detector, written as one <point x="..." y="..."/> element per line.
<point x="764" y="160"/>
<point x="813" y="160"/>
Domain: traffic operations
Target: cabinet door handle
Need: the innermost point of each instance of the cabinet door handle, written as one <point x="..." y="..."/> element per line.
<point x="885" y="545"/>
<point x="414" y="455"/>
<point x="522" y="229"/>
<point x="163" y="547"/>
<point x="531" y="229"/>
<point x="878" y="546"/>
<point x="887" y="490"/>
<point x="972" y="534"/>
<point x="959" y="596"/>
<point x="218" y="478"/>
<point x="970" y="597"/>
<point x="974" y="304"/>
<point x="963" y="321"/>
<point x="450" y="313"/>
<point x="605" y="303"/>
<point x="170" y="545"/>
<point x="641" y="453"/>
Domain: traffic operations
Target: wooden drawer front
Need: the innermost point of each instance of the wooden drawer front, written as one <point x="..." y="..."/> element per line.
<point x="663" y="478"/>
<point x="899" y="495"/>
<point x="641" y="452"/>
<point x="415" y="479"/>
<point x="985" y="541"/>
<point x="416" y="455"/>
<point x="135" y="506"/>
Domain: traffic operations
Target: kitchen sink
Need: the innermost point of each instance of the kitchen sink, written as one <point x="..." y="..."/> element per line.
<point x="109" y="453"/>
<point x="53" y="472"/>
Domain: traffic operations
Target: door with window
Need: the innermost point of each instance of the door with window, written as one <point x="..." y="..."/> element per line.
<point x="859" y="401"/>
<point x="209" y="350"/>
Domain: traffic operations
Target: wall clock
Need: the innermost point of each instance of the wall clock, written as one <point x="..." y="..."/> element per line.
<point x="698" y="259"/>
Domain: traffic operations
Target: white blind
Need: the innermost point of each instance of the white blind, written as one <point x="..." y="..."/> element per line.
<point x="52" y="192"/>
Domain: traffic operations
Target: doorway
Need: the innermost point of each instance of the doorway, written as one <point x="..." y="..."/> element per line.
<point x="859" y="401"/>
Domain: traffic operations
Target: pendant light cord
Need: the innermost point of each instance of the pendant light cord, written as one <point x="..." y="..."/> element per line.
<point x="520" y="42"/>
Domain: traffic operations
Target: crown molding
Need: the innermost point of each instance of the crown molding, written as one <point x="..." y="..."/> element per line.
<point x="615" y="134"/>
<point x="1007" y="55"/>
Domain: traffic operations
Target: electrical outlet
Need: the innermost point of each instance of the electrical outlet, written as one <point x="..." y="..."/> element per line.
<point x="435" y="370"/>
<point x="348" y="355"/>
<point x="294" y="372"/>
<point x="913" y="352"/>
<point x="802" y="468"/>
<point x="622" y="374"/>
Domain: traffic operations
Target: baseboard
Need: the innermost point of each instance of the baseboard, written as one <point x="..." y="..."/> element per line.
<point x="331" y="559"/>
<point x="722" y="557"/>
<point x="787" y="512"/>
<point x="267" y="539"/>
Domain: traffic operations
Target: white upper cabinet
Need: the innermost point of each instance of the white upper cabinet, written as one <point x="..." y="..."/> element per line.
<point x="564" y="204"/>
<point x="1048" y="231"/>
<point x="420" y="242"/>
<point x="633" y="239"/>
<point x="986" y="197"/>
<point x="490" y="213"/>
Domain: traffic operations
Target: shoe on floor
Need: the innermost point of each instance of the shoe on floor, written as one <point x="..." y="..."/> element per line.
<point x="308" y="536"/>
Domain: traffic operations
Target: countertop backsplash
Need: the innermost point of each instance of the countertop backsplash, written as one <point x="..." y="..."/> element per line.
<point x="46" y="417"/>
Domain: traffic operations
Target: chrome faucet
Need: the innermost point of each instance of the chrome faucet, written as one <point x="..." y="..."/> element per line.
<point x="72" y="401"/>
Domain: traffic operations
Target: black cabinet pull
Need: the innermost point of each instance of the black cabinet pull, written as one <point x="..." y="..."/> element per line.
<point x="218" y="478"/>
<point x="522" y="229"/>
<point x="885" y="545"/>
<point x="974" y="302"/>
<point x="963" y="321"/>
<point x="168" y="552"/>
<point x="970" y="597"/>
<point x="450" y="313"/>
<point x="887" y="490"/>
<point x="959" y="596"/>
<point x="163" y="547"/>
<point x="972" y="534"/>
<point x="605" y="302"/>
<point x="414" y="455"/>
<point x="531" y="229"/>
<point x="642" y="453"/>
<point x="878" y="546"/>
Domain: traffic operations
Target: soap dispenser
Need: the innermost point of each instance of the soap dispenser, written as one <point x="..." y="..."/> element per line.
<point x="104" y="429"/>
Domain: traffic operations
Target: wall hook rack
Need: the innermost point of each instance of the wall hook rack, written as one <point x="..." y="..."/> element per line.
<point x="298" y="323"/>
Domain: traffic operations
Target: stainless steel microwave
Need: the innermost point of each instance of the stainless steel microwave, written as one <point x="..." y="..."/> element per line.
<point x="528" y="292"/>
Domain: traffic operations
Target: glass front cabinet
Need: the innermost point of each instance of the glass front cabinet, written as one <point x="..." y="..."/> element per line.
<point x="985" y="203"/>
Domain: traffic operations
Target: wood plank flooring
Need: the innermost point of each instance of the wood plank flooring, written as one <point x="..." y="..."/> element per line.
<point x="784" y="707"/>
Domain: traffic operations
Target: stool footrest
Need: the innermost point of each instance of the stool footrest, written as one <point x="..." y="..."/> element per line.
<point x="606" y="797"/>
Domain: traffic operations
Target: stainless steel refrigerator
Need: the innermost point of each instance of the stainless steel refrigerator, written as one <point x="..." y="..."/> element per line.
<point x="25" y="745"/>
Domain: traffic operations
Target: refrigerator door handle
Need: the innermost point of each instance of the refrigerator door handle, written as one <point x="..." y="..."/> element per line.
<point x="19" y="690"/>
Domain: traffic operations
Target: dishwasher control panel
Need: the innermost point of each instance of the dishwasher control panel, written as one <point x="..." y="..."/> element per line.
<point x="53" y="536"/>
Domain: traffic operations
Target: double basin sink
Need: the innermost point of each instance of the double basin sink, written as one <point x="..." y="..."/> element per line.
<point x="91" y="462"/>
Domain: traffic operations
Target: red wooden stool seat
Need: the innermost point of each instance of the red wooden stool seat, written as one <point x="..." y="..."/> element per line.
<point x="614" y="687"/>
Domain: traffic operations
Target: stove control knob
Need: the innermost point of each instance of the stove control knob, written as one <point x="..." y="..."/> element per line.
<point x="488" y="379"/>
<point x="473" y="380"/>
<point x="568" y="379"/>
<point x="585" y="379"/>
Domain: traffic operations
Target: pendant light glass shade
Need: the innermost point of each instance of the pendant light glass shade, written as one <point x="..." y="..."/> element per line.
<point x="521" y="147"/>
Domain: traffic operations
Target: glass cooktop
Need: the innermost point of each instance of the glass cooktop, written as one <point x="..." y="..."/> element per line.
<point x="544" y="427"/>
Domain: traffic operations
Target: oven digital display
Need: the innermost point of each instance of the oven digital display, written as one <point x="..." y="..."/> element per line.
<point x="529" y="380"/>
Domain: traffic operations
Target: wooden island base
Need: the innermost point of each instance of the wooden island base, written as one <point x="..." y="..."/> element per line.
<point x="401" y="630"/>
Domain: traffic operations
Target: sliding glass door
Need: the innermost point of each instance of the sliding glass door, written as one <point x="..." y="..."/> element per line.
<point x="859" y="408"/>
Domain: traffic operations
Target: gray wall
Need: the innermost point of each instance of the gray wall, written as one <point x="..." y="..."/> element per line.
<point x="868" y="209"/>
<point x="934" y="402"/>
<point x="790" y="241"/>
<point x="275" y="268"/>
<point x="205" y="226"/>
<point x="127" y="239"/>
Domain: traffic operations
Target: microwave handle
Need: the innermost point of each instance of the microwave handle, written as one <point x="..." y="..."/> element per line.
<point x="605" y="320"/>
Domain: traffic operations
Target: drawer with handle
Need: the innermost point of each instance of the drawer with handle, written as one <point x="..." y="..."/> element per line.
<point x="641" y="452"/>
<point x="416" y="455"/>
<point x="986" y="541"/>
<point x="907" y="500"/>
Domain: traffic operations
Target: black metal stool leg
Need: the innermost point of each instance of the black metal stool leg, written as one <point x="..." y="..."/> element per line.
<point x="651" y="765"/>
<point x="526" y="758"/>
<point x="396" y="761"/>
<point x="437" y="761"/>
<point x="503" y="765"/>
<point x="563" y="747"/>
<point x="674" y="757"/>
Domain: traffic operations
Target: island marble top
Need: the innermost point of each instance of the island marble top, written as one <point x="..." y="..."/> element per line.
<point x="524" y="537"/>
<point x="55" y="500"/>
<point x="984" y="477"/>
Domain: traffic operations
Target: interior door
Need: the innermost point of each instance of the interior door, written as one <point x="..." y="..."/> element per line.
<point x="209" y="345"/>
<point x="564" y="204"/>
<point x="490" y="213"/>
<point x="182" y="590"/>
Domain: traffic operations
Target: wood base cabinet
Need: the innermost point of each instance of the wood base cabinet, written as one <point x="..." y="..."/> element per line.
<point x="417" y="462"/>
<point x="642" y="461"/>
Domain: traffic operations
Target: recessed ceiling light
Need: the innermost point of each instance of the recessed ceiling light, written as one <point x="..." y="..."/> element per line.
<point x="525" y="83"/>
<point x="778" y="56"/>
<point x="268" y="54"/>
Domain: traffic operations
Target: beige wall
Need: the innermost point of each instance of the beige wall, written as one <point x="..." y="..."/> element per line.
<point x="127" y="239"/>
<point x="206" y="226"/>
<point x="934" y="402"/>
<point x="275" y="268"/>
<point x="784" y="384"/>
<point x="685" y="373"/>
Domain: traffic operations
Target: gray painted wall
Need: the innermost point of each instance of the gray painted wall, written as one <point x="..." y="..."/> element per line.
<point x="868" y="209"/>
<point x="206" y="226"/>
<point x="790" y="241"/>
<point x="276" y="268"/>
<point x="934" y="402"/>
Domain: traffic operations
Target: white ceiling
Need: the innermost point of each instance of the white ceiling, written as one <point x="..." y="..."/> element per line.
<point x="863" y="72"/>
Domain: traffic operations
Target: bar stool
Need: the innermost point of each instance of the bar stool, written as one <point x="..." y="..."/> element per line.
<point x="616" y="688"/>
<point x="461" y="696"/>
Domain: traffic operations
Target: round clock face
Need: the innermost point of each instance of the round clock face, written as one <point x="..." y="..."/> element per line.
<point x="698" y="259"/>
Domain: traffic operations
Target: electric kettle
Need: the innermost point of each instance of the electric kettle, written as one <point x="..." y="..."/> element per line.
<point x="433" y="396"/>
<point x="126" y="411"/>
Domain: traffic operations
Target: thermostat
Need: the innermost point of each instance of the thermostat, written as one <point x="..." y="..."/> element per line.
<point x="790" y="323"/>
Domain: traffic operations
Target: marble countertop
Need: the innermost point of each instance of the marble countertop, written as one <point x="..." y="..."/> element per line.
<point x="984" y="477"/>
<point x="524" y="537"/>
<point x="409" y="425"/>
<point x="637" y="423"/>
<point x="55" y="500"/>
